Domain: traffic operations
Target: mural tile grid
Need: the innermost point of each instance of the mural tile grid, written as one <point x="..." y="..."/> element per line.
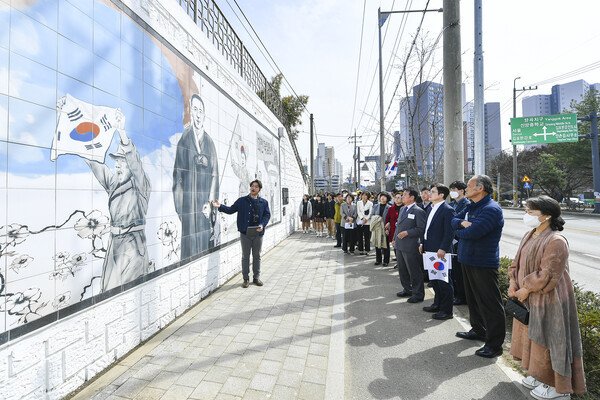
<point x="62" y="234"/>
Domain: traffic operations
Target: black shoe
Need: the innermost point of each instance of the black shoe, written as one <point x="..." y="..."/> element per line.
<point x="377" y="263"/>
<point x="386" y="264"/>
<point x="442" y="316"/>
<point x="404" y="293"/>
<point x="337" y="245"/>
<point x="488" y="352"/>
<point x="471" y="335"/>
<point x="459" y="302"/>
<point x="345" y="251"/>
<point x="414" y="299"/>
<point x="246" y="283"/>
<point x="431" y="308"/>
<point x="257" y="282"/>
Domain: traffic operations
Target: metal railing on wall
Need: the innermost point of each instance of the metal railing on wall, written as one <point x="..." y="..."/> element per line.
<point x="207" y="15"/>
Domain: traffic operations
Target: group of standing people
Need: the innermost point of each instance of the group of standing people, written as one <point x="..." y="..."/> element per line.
<point x="468" y="228"/>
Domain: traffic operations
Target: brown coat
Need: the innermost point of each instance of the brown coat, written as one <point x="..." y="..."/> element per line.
<point x="550" y="347"/>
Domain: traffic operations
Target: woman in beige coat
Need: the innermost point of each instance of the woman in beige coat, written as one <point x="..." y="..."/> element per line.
<point x="550" y="346"/>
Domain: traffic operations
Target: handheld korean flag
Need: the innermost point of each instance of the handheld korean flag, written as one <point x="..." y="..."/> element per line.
<point x="438" y="269"/>
<point x="391" y="169"/>
<point x="83" y="129"/>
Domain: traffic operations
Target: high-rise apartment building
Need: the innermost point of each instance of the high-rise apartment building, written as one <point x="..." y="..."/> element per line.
<point x="536" y="105"/>
<point x="493" y="133"/>
<point x="564" y="94"/>
<point x="422" y="128"/>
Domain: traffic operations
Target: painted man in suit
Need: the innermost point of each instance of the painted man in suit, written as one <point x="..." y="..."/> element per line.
<point x="438" y="239"/>
<point x="409" y="229"/>
<point x="195" y="183"/>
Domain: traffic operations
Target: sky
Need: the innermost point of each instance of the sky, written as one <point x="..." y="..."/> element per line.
<point x="316" y="44"/>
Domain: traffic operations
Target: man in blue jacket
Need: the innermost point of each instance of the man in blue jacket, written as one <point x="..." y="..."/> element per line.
<point x="479" y="232"/>
<point x="253" y="212"/>
<point x="437" y="238"/>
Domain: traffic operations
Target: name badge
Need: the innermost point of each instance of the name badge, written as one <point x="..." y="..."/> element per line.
<point x="411" y="216"/>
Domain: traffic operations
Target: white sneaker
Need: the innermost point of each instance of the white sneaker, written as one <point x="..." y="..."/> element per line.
<point x="530" y="382"/>
<point x="545" y="392"/>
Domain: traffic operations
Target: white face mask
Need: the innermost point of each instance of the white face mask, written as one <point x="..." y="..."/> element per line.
<point x="454" y="194"/>
<point x="531" y="221"/>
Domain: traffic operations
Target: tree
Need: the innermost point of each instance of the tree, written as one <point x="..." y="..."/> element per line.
<point x="557" y="169"/>
<point x="292" y="107"/>
<point x="566" y="168"/>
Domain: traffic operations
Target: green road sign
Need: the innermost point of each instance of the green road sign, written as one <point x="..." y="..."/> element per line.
<point x="558" y="128"/>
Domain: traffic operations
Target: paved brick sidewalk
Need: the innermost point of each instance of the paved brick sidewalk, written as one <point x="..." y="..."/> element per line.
<point x="324" y="326"/>
<point x="260" y="342"/>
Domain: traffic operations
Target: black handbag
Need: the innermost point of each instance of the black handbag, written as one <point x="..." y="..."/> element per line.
<point x="517" y="310"/>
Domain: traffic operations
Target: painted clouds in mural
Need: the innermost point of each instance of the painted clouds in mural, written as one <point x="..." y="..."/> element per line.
<point x="112" y="148"/>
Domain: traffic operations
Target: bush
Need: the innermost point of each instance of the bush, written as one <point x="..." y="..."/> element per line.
<point x="588" y="311"/>
<point x="503" y="276"/>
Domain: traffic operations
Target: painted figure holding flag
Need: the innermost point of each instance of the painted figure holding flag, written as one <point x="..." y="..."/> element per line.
<point x="128" y="189"/>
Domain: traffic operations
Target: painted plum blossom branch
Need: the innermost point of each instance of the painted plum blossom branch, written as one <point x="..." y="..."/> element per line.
<point x="24" y="304"/>
<point x="168" y="235"/>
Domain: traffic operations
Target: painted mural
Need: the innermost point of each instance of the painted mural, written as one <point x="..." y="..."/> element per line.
<point x="111" y="148"/>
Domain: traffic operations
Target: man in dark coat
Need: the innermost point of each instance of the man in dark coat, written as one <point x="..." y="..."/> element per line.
<point x="409" y="229"/>
<point x="195" y="183"/>
<point x="479" y="231"/>
<point x="438" y="239"/>
<point x="252" y="212"/>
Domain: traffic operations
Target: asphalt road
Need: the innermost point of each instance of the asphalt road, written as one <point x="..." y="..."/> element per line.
<point x="394" y="350"/>
<point x="583" y="234"/>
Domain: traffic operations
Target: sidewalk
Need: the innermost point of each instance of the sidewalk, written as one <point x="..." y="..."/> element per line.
<point x="324" y="326"/>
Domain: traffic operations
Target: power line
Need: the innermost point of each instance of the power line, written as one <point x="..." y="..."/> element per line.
<point x="267" y="50"/>
<point x="358" y="67"/>
<point x="406" y="62"/>
<point x="402" y="24"/>
<point x="578" y="71"/>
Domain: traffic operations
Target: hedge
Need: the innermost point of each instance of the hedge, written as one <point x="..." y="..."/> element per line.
<point x="588" y="310"/>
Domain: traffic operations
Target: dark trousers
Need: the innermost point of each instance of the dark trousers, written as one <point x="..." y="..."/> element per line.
<point x="348" y="241"/>
<point x="457" y="279"/>
<point x="338" y="234"/>
<point x="383" y="253"/>
<point x="364" y="237"/>
<point x="486" y="312"/>
<point x="248" y="244"/>
<point x="410" y="268"/>
<point x="444" y="295"/>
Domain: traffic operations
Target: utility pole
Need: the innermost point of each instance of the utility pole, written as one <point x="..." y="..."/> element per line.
<point x="312" y="156"/>
<point x="479" y="96"/>
<point x="381" y="122"/>
<point x="355" y="162"/>
<point x="454" y="169"/>
<point x="595" y="162"/>
<point x="593" y="118"/>
<point x="515" y="170"/>
<point x="358" y="168"/>
<point x="381" y="18"/>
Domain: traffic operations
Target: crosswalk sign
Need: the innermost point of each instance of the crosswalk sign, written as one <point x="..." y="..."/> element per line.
<point x="526" y="179"/>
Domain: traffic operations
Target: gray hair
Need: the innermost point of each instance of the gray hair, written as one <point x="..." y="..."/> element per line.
<point x="486" y="182"/>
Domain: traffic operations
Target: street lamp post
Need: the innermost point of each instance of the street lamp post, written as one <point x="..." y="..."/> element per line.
<point x="515" y="90"/>
<point x="515" y="199"/>
<point x="381" y="18"/>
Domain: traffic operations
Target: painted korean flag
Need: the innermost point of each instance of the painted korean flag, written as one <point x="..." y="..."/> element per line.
<point x="437" y="268"/>
<point x="83" y="129"/>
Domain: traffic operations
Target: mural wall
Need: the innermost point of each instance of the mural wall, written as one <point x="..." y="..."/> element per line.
<point x="111" y="147"/>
